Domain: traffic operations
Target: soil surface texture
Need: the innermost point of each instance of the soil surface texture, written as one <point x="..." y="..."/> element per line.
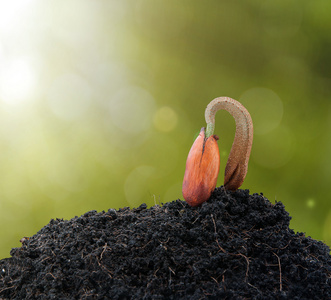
<point x="234" y="246"/>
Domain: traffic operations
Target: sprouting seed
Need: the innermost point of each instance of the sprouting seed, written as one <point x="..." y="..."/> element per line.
<point x="203" y="161"/>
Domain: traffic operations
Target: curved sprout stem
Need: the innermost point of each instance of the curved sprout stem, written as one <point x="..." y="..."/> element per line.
<point x="237" y="164"/>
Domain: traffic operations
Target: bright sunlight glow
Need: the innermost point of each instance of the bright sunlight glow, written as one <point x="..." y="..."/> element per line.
<point x="17" y="81"/>
<point x="10" y="14"/>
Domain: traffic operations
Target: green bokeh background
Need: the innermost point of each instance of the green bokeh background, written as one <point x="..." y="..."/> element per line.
<point x="100" y="102"/>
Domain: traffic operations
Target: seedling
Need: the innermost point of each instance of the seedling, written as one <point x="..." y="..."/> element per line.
<point x="203" y="161"/>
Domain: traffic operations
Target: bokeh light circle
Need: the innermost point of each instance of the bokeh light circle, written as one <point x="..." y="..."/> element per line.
<point x="165" y="119"/>
<point x="311" y="203"/>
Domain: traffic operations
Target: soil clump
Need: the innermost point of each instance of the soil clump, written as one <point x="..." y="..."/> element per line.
<point x="234" y="246"/>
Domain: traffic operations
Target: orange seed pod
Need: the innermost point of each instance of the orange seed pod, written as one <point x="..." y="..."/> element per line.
<point x="202" y="168"/>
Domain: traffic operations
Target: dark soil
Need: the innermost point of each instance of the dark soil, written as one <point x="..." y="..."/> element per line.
<point x="234" y="246"/>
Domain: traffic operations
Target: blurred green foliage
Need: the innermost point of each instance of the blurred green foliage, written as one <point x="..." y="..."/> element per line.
<point x="100" y="102"/>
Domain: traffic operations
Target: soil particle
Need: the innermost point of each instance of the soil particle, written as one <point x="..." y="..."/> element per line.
<point x="234" y="246"/>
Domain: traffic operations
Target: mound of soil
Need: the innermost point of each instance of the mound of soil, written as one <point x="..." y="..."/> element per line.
<point x="234" y="246"/>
